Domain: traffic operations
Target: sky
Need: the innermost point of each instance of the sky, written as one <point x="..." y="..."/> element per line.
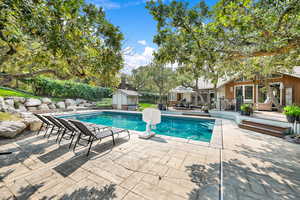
<point x="138" y="27"/>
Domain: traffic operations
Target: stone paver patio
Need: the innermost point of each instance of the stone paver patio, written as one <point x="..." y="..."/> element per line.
<point x="255" y="166"/>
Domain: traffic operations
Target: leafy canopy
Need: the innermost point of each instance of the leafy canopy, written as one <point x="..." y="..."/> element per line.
<point x="68" y="38"/>
<point x="235" y="36"/>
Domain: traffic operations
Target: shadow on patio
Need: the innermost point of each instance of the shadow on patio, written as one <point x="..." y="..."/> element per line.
<point x="71" y="165"/>
<point x="267" y="173"/>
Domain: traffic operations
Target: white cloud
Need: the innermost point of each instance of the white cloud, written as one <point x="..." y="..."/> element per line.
<point x="134" y="60"/>
<point x="107" y="4"/>
<point x="142" y="42"/>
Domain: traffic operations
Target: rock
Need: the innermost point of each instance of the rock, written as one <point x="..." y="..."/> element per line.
<point x="72" y="107"/>
<point x="31" y="108"/>
<point x="10" y="102"/>
<point x="19" y="99"/>
<point x="10" y="109"/>
<point x="80" y="101"/>
<point x="2" y="104"/>
<point x="10" y="129"/>
<point x="32" y="102"/>
<point x="87" y="105"/>
<point x="43" y="107"/>
<point x="61" y="105"/>
<point x="46" y="101"/>
<point x="32" y="122"/>
<point x="70" y="102"/>
<point x="51" y="106"/>
<point x="21" y="108"/>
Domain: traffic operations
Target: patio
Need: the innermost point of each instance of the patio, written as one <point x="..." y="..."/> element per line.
<point x="249" y="166"/>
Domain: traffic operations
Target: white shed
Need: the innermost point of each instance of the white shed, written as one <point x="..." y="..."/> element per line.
<point x="125" y="99"/>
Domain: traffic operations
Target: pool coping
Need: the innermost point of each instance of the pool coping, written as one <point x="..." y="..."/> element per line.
<point x="216" y="140"/>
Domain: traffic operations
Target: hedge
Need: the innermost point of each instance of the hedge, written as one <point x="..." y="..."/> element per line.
<point x="148" y="97"/>
<point x="68" y="89"/>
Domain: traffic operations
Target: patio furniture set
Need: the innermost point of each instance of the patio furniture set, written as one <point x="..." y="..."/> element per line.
<point x="68" y="129"/>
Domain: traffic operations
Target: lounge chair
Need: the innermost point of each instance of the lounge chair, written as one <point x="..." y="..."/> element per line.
<point x="91" y="136"/>
<point x="69" y="132"/>
<point x="57" y="126"/>
<point x="45" y="124"/>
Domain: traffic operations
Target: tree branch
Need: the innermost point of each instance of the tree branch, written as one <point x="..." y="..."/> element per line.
<point x="25" y="75"/>
<point x="292" y="44"/>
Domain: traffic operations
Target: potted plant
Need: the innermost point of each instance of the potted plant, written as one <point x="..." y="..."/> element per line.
<point x="297" y="113"/>
<point x="246" y="109"/>
<point x="291" y="113"/>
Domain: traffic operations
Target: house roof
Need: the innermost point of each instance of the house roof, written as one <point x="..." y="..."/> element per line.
<point x="206" y="84"/>
<point x="129" y="92"/>
<point x="295" y="72"/>
<point x="182" y="89"/>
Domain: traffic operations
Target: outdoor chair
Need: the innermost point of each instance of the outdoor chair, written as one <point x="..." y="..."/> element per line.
<point x="69" y="132"/>
<point x="45" y="124"/>
<point x="98" y="134"/>
<point x="58" y="126"/>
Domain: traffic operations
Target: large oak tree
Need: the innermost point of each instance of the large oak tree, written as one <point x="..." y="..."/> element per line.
<point x="68" y="38"/>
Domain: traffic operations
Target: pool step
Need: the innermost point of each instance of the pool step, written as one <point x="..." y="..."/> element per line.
<point x="276" y="131"/>
<point x="196" y="114"/>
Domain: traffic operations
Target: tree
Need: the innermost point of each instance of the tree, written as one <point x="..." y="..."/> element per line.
<point x="163" y="78"/>
<point x="258" y="28"/>
<point x="235" y="38"/>
<point x="139" y="79"/>
<point x="67" y="38"/>
<point x="185" y="37"/>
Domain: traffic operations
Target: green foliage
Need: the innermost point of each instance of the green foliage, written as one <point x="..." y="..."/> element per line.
<point x="7" y="92"/>
<point x="247" y="37"/>
<point x="139" y="79"/>
<point x="148" y="97"/>
<point x="104" y="102"/>
<point x="68" y="89"/>
<point x="163" y="78"/>
<point x="67" y="38"/>
<point x="143" y="106"/>
<point x="292" y="110"/>
<point x="246" y="108"/>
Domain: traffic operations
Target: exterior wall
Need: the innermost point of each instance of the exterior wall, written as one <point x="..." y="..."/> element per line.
<point x="187" y="96"/>
<point x="288" y="82"/>
<point x="294" y="83"/>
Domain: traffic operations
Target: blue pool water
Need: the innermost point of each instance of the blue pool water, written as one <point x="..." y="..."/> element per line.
<point x="189" y="128"/>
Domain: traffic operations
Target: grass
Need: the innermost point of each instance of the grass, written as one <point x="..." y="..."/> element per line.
<point x="8" y="117"/>
<point x="143" y="106"/>
<point x="14" y="93"/>
<point x="10" y="93"/>
<point x="104" y="102"/>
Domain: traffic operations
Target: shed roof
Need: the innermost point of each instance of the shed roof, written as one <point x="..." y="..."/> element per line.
<point x="129" y="92"/>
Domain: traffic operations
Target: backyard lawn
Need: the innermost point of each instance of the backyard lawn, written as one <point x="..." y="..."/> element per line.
<point x="10" y="92"/>
<point x="143" y="106"/>
<point x="104" y="102"/>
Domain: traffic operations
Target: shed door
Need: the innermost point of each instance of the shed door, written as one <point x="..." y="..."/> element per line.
<point x="119" y="101"/>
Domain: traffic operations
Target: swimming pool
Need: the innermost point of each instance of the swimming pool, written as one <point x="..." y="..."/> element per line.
<point x="182" y="127"/>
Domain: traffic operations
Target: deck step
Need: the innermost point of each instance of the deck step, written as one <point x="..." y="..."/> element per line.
<point x="262" y="130"/>
<point x="268" y="126"/>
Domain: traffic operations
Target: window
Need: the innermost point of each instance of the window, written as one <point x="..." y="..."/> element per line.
<point x="248" y="92"/>
<point x="245" y="92"/>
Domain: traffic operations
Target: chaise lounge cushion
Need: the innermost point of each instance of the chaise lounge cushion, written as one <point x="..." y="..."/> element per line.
<point x="264" y="106"/>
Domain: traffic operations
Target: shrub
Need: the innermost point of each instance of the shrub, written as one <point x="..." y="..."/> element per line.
<point x="148" y="97"/>
<point x="292" y="110"/>
<point x="246" y="108"/>
<point x="68" y="89"/>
